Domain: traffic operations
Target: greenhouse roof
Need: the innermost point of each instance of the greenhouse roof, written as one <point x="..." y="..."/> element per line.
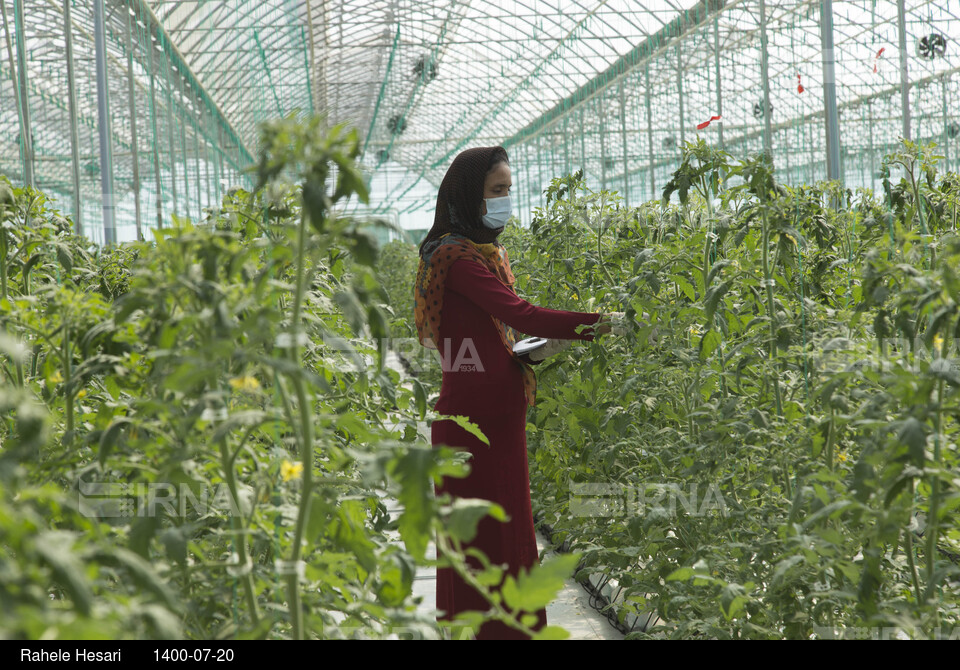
<point x="419" y="79"/>
<point x="422" y="80"/>
<point x="610" y="86"/>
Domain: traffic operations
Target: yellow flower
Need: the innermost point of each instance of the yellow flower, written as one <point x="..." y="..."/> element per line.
<point x="81" y="393"/>
<point x="842" y="457"/>
<point x="290" y="470"/>
<point x="575" y="296"/>
<point x="245" y="383"/>
<point x="56" y="378"/>
<point x="938" y="344"/>
<point x="791" y="238"/>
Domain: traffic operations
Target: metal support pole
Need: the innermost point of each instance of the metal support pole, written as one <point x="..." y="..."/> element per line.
<point x="103" y="112"/>
<point x="539" y="166"/>
<point x="135" y="157"/>
<point x="221" y="175"/>
<point x="683" y="133"/>
<point x="831" y="116"/>
<point x="646" y="95"/>
<point x="583" y="147"/>
<point x="603" y="144"/>
<point x="765" y="77"/>
<point x="196" y="165"/>
<point x="873" y="178"/>
<point x="716" y="68"/>
<point x="785" y="152"/>
<point x="173" y="161"/>
<point x="623" y="140"/>
<point x="12" y="66"/>
<point x="74" y="134"/>
<point x="156" y="140"/>
<point x="211" y="193"/>
<point x="946" y="122"/>
<point x="813" y="159"/>
<point x="26" y="132"/>
<point x="566" y="145"/>
<point x="183" y="150"/>
<point x="528" y="162"/>
<point x="904" y="75"/>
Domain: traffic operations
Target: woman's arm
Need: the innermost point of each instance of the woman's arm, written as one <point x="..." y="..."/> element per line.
<point x="477" y="284"/>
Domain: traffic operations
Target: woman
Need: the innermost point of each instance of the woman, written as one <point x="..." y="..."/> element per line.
<point x="466" y="308"/>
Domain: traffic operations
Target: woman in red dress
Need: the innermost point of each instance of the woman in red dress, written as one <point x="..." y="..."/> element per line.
<point x="467" y="309"/>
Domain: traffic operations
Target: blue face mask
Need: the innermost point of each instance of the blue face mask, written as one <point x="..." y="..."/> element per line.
<point x="498" y="211"/>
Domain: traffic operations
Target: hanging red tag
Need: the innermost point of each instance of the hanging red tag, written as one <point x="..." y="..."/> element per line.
<point x="877" y="58"/>
<point x="800" y="88"/>
<point x="705" y="124"/>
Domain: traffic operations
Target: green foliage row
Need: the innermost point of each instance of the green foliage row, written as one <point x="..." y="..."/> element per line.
<point x="196" y="437"/>
<point x="771" y="451"/>
<point x="781" y="432"/>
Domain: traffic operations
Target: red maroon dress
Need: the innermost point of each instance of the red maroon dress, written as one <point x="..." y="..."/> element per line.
<point x="483" y="381"/>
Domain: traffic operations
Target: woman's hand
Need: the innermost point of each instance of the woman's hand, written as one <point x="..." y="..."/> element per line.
<point x="551" y="348"/>
<point x="611" y="322"/>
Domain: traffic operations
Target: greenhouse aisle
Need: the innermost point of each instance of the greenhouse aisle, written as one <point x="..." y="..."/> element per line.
<point x="571" y="609"/>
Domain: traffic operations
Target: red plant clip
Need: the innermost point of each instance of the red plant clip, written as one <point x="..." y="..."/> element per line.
<point x="705" y="124"/>
<point x="800" y="88"/>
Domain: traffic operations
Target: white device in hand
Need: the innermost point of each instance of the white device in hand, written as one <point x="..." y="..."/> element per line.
<point x="530" y="344"/>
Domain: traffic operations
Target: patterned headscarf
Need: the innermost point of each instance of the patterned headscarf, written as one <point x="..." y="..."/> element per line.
<point x="461" y="194"/>
<point x="456" y="236"/>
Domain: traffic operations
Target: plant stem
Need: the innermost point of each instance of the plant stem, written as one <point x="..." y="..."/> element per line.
<point x="908" y="534"/>
<point x="241" y="542"/>
<point x="768" y="283"/>
<point x="508" y="618"/>
<point x="3" y="261"/>
<point x="830" y="440"/>
<point x="923" y="224"/>
<point x="932" y="526"/>
<point x="600" y="248"/>
<point x="306" y="435"/>
<point x="67" y="378"/>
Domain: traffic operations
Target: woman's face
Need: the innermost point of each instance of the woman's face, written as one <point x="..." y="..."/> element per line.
<point x="496" y="185"/>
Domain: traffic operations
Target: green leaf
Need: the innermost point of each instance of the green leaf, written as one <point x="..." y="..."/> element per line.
<point x="552" y="633"/>
<point x="535" y="589"/>
<point x="465" y="514"/>
<point x="914" y="436"/>
<point x="414" y="472"/>
<point x="174" y="541"/>
<point x="363" y="247"/>
<point x="141" y="571"/>
<point x="316" y="203"/>
<point x="465" y="423"/>
<point x="713" y="299"/>
<point x="681" y="574"/>
<point x="941" y="368"/>
<point x="113" y="388"/>
<point x="708" y="344"/>
<point x="685" y="287"/>
<point x="55" y="548"/>
<point x="420" y="398"/>
<point x="6" y="195"/>
<point x="732" y="599"/>
<point x="111" y="437"/>
<point x="65" y="257"/>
